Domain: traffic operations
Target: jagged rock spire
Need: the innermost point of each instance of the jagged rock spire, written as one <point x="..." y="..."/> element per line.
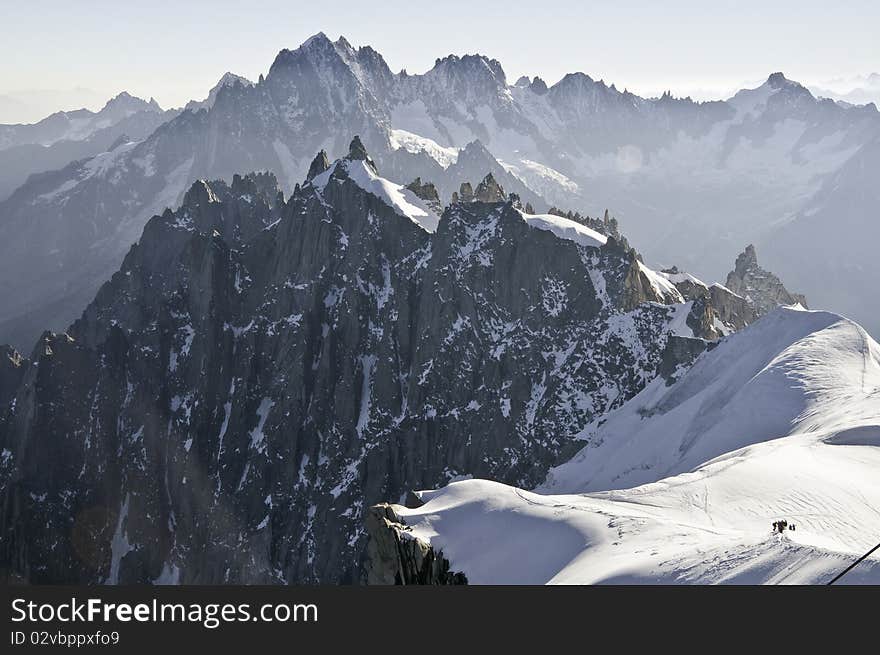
<point x="357" y="151"/>
<point x="319" y="164"/>
<point x="761" y="288"/>
<point x="489" y="190"/>
<point x="200" y="193"/>
<point x="748" y="258"/>
<point x="426" y="191"/>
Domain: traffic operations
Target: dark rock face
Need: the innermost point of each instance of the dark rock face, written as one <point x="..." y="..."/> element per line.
<point x="489" y="190"/>
<point x="680" y="353"/>
<point x="761" y="288"/>
<point x="426" y="191"/>
<point x="733" y="309"/>
<point x="12" y="369"/>
<point x="396" y="557"/>
<point x="716" y="310"/>
<point x="259" y="372"/>
<point x="319" y="164"/>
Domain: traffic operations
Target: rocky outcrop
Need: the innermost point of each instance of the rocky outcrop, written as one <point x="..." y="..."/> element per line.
<point x="319" y="164"/>
<point x="732" y="309"/>
<point x="688" y="286"/>
<point x="679" y="354"/>
<point x="396" y="557"/>
<point x="488" y="190"/>
<point x="357" y="152"/>
<point x="12" y="369"/>
<point x="761" y="288"/>
<point x="426" y="191"/>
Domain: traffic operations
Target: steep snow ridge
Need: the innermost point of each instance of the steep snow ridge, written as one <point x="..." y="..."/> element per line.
<point x="400" y="199"/>
<point x="662" y="285"/>
<point x="415" y="144"/>
<point x="681" y="277"/>
<point x="790" y="369"/>
<point x="781" y="420"/>
<point x="565" y="228"/>
<point x="540" y="177"/>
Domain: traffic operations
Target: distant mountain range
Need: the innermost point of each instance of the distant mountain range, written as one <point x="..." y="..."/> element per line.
<point x="65" y="137"/>
<point x="692" y="182"/>
<point x="858" y="91"/>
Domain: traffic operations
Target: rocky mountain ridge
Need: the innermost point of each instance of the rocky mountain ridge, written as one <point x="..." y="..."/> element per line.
<point x="260" y="371"/>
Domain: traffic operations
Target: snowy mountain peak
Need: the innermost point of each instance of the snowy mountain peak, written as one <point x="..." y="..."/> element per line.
<point x="231" y="78"/>
<point x="474" y="69"/>
<point x="778" y="80"/>
<point x="359" y="168"/>
<point x="777" y="91"/>
<point x="125" y="103"/>
<point x="789" y="91"/>
<point x="578" y="80"/>
<point x="316" y="41"/>
<point x="228" y="79"/>
<point x="316" y="48"/>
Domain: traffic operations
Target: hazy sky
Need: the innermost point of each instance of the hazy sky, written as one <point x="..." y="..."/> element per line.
<point x="176" y="51"/>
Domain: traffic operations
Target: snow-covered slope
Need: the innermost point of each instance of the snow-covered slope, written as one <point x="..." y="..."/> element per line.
<point x="780" y="421"/>
<point x="565" y="228"/>
<point x="400" y="199"/>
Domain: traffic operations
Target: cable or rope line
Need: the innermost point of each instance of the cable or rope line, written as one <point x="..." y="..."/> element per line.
<point x="853" y="565"/>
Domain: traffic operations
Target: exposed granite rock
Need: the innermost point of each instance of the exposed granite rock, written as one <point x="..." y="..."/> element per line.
<point x="538" y="86"/>
<point x="759" y="287"/>
<point x="12" y="369"/>
<point x="689" y="287"/>
<point x="489" y="190"/>
<point x="357" y="152"/>
<point x="716" y="309"/>
<point x="397" y="557"/>
<point x="319" y="164"/>
<point x="427" y="192"/>
<point x="679" y="354"/>
<point x="732" y="309"/>
<point x="702" y="319"/>
<point x="631" y="285"/>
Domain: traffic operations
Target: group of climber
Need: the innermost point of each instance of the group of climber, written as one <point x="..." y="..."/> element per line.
<point x="782" y="525"/>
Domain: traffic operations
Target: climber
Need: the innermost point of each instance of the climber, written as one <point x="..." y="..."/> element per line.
<point x="780" y="526"/>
